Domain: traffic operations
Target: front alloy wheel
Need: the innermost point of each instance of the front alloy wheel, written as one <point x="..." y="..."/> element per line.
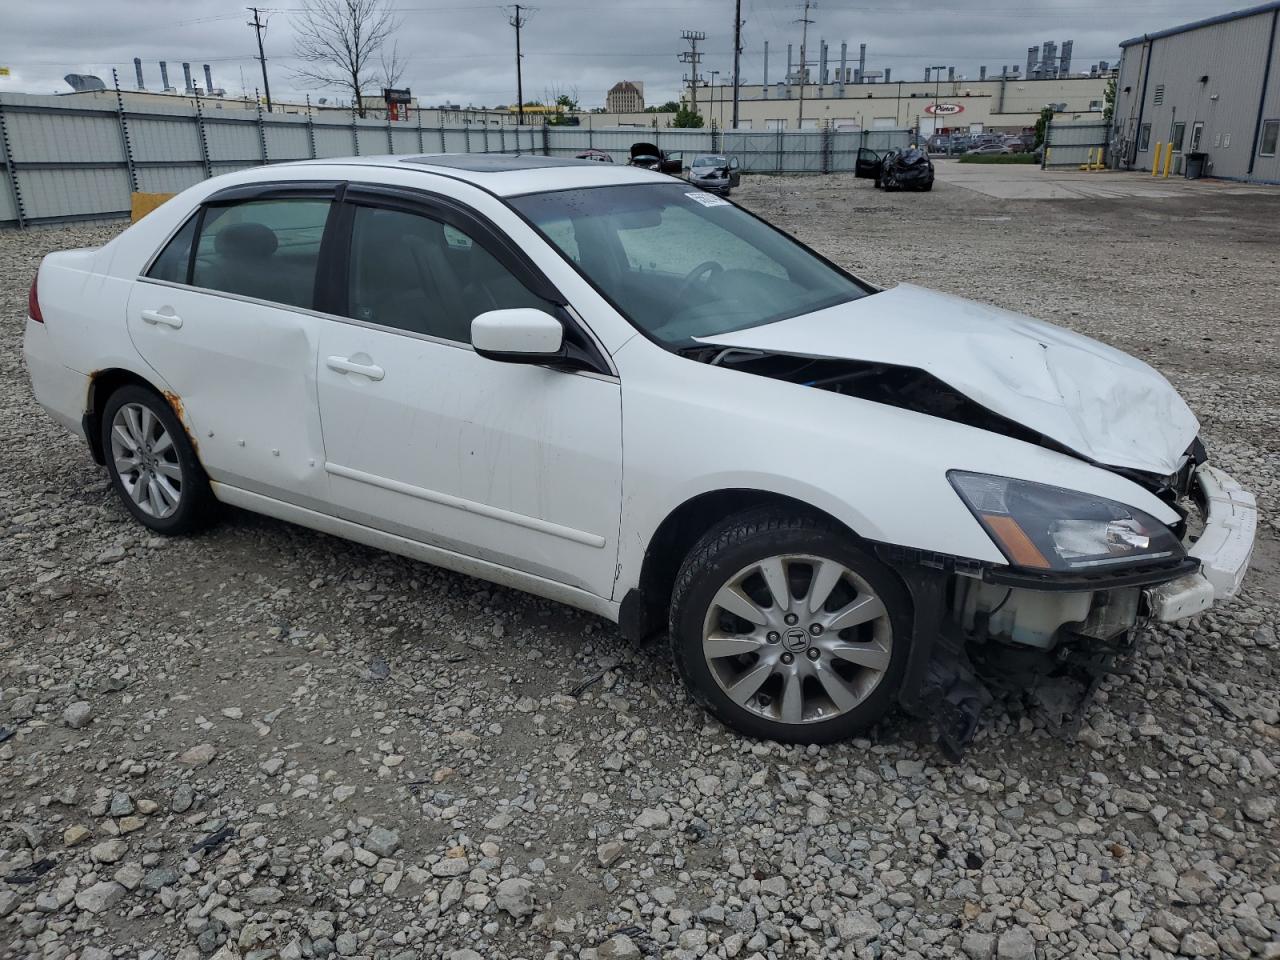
<point x="797" y="639"/>
<point x="785" y="628"/>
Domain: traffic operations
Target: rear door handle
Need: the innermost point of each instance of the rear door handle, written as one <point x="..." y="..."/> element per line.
<point x="169" y="318"/>
<point x="343" y="365"/>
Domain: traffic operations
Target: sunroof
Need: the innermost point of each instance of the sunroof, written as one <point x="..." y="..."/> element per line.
<point x="494" y="162"/>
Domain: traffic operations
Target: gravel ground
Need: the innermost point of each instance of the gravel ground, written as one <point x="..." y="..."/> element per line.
<point x="264" y="742"/>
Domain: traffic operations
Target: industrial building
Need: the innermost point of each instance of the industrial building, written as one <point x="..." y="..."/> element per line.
<point x="625" y="96"/>
<point x="1003" y="104"/>
<point x="1209" y="88"/>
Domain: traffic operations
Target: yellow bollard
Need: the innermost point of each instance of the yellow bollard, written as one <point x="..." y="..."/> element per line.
<point x="1101" y="165"/>
<point x="1088" y="164"/>
<point x="1168" y="160"/>
<point x="1155" y="164"/>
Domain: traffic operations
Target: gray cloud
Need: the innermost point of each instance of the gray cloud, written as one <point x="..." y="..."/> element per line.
<point x="463" y="51"/>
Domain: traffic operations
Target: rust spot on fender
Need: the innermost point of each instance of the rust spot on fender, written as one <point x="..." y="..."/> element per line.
<point x="175" y="401"/>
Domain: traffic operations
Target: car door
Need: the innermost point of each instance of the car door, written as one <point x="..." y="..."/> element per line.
<point x="515" y="464"/>
<point x="867" y="166"/>
<point x="223" y="315"/>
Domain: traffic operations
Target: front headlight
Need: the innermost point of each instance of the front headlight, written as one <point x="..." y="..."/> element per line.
<point x="1040" y="527"/>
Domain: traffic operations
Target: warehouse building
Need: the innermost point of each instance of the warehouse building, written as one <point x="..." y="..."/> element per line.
<point x="1001" y="104"/>
<point x="1209" y="88"/>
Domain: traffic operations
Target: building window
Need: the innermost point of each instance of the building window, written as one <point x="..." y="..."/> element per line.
<point x="1095" y="106"/>
<point x="1197" y="131"/>
<point x="1270" y="134"/>
<point x="1144" y="137"/>
<point x="1179" y="132"/>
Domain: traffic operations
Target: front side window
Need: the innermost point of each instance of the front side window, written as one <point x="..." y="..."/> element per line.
<point x="420" y="275"/>
<point x="265" y="249"/>
<point x="1270" y="134"/>
<point x="1179" y="132"/>
<point x="681" y="264"/>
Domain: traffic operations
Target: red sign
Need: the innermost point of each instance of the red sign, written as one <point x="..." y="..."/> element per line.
<point x="944" y="109"/>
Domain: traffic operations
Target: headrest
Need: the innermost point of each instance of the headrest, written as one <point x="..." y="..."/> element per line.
<point x="246" y="241"/>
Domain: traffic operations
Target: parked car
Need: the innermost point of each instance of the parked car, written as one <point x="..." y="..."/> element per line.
<point x="597" y="155"/>
<point x="987" y="149"/>
<point x="715" y="173"/>
<point x="909" y="169"/>
<point x="648" y="156"/>
<point x="597" y="385"/>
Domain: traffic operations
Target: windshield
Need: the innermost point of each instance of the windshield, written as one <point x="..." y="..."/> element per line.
<point x="682" y="264"/>
<point x="710" y="162"/>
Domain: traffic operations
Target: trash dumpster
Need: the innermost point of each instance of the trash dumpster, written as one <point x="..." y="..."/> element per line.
<point x="1195" y="165"/>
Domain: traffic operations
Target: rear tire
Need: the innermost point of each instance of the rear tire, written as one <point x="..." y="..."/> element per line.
<point x="783" y="628"/>
<point x="152" y="464"/>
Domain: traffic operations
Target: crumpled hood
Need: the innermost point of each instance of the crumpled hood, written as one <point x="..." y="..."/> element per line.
<point x="1097" y="401"/>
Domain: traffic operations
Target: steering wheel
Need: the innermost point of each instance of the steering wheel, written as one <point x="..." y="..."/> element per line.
<point x="704" y="271"/>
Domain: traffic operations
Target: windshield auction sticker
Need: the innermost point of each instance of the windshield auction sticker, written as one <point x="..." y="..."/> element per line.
<point x="708" y="199"/>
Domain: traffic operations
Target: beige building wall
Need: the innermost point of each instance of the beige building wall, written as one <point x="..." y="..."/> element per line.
<point x="1003" y="105"/>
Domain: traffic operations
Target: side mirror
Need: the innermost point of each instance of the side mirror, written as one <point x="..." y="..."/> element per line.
<point x="522" y="335"/>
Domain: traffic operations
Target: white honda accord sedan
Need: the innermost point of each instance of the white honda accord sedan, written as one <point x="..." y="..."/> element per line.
<point x="598" y="384"/>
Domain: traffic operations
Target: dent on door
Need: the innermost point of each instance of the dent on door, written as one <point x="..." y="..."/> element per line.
<point x="243" y="376"/>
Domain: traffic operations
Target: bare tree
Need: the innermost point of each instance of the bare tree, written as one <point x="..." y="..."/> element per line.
<point x="392" y="66"/>
<point x="341" y="43"/>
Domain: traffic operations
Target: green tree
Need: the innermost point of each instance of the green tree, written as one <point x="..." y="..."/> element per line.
<point x="669" y="107"/>
<point x="686" y="118"/>
<point x="1109" y="98"/>
<point x="1042" y="124"/>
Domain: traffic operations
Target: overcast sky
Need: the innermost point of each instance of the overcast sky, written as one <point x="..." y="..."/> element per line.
<point x="463" y="52"/>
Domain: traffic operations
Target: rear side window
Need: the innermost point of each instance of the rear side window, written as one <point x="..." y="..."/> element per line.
<point x="265" y="249"/>
<point x="174" y="260"/>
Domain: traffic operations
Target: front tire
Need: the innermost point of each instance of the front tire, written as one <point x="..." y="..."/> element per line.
<point x="152" y="463"/>
<point x="785" y="629"/>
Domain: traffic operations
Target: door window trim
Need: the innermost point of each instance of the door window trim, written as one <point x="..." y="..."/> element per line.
<point x="335" y="259"/>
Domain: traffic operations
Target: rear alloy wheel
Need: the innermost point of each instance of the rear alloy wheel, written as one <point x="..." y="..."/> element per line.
<point x="784" y="629"/>
<point x="152" y="464"/>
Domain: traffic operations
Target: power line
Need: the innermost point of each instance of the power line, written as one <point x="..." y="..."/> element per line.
<point x="258" y="27"/>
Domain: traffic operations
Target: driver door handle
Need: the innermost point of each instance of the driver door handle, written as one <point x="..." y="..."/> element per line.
<point x="343" y="365"/>
<point x="169" y="318"/>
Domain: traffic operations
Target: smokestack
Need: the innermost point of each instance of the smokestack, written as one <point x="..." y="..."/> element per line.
<point x="186" y="76"/>
<point x="844" y="68"/>
<point x="766" y="66"/>
<point x="208" y="80"/>
<point x="137" y="68"/>
<point x="862" y="63"/>
<point x="1033" y="54"/>
<point x="822" y="62"/>
<point x="1065" y="69"/>
<point x="886" y="74"/>
<point x="982" y="72"/>
<point x="789" y="65"/>
<point x="926" y="74"/>
<point x="951" y="74"/>
<point x="164" y="77"/>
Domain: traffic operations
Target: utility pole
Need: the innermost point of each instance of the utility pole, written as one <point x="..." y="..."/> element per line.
<point x="518" y="21"/>
<point x="693" y="58"/>
<point x="804" y="22"/>
<point x="737" y="52"/>
<point x="937" y="82"/>
<point x="714" y="74"/>
<point x="258" y="27"/>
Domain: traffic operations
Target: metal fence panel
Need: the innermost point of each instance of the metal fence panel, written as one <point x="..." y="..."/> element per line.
<point x="1075" y="142"/>
<point x="69" y="158"/>
<point x="287" y="142"/>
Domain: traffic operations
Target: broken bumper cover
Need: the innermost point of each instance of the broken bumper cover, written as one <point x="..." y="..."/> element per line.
<point x="1224" y="549"/>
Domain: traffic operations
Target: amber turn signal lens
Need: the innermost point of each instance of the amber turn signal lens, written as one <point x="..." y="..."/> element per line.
<point x="1016" y="544"/>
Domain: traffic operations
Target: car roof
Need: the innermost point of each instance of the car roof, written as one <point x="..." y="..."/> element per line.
<point x="501" y="174"/>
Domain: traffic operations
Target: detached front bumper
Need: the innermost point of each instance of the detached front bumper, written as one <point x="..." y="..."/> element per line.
<point x="1224" y="549"/>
